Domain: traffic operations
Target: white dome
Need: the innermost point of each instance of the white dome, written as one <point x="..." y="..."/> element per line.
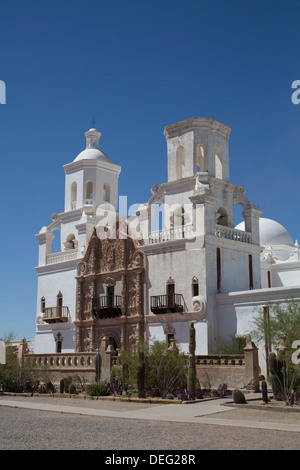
<point x="271" y="233"/>
<point x="93" y="154"/>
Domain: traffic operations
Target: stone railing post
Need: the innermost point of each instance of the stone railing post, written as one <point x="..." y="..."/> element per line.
<point x="251" y="366"/>
<point x="22" y="350"/>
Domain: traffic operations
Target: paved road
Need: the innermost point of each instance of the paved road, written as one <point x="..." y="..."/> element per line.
<point x="69" y="424"/>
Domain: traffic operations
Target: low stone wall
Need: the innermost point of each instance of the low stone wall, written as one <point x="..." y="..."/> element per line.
<point x="236" y="371"/>
<point x="64" y="365"/>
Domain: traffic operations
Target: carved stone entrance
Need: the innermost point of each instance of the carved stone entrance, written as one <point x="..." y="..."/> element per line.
<point x="110" y="302"/>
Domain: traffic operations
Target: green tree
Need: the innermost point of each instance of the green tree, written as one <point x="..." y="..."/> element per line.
<point x="283" y="321"/>
<point x="278" y="326"/>
<point x="234" y="345"/>
<point x="131" y="360"/>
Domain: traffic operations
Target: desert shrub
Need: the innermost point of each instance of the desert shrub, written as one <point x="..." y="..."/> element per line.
<point x="129" y="359"/>
<point x="164" y="367"/>
<point x="18" y="377"/>
<point x="98" y="389"/>
<point x="72" y="389"/>
<point x="67" y="383"/>
<point x="80" y="382"/>
<point x="46" y="387"/>
<point x="50" y="387"/>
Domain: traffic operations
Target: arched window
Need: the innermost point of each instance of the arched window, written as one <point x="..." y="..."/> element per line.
<point x="218" y="164"/>
<point x="195" y="286"/>
<point x="178" y="216"/>
<point x="200" y="164"/>
<point x="56" y="241"/>
<point x="250" y="272"/>
<point x="170" y="291"/>
<point x="238" y="215"/>
<point x="73" y="195"/>
<point x="106" y="192"/>
<point x="110" y="292"/>
<point x="59" y="340"/>
<point x="59" y="301"/>
<point x="180" y="163"/>
<point x="157" y="216"/>
<point x="218" y="269"/>
<point x="89" y="192"/>
<point x="43" y="304"/>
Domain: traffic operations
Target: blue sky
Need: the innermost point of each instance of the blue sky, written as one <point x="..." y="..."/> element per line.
<point x="136" y="67"/>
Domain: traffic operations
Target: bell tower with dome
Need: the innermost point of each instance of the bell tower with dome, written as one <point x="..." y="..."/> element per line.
<point x="92" y="178"/>
<point x="91" y="195"/>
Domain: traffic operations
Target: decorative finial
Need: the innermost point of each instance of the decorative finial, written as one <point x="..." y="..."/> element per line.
<point x="93" y="123"/>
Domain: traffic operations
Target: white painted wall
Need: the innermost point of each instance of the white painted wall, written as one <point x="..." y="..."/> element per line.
<point x="156" y="332"/>
<point x="44" y="340"/>
<point x="55" y="278"/>
<point x="235" y="312"/>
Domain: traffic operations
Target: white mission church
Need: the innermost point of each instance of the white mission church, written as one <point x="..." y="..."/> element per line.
<point x="125" y="280"/>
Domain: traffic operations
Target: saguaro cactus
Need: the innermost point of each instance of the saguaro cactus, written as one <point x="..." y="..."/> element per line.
<point x="192" y="361"/>
<point x="125" y="371"/>
<point x="141" y="375"/>
<point x="61" y="386"/>
<point x="264" y="391"/>
<point x="277" y="375"/>
<point x="98" y="367"/>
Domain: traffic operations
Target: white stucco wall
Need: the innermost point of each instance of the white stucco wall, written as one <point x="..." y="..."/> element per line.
<point x="51" y="280"/>
<point x="235" y="312"/>
<point x="55" y="278"/>
<point x="44" y="340"/>
<point x="156" y="332"/>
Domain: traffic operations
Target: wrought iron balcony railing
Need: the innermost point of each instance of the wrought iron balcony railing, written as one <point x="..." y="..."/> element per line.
<point x="107" y="306"/>
<point x="166" y="303"/>
<point x="56" y="314"/>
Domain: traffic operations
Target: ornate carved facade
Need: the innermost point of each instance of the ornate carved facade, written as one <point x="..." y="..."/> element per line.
<point x="110" y="294"/>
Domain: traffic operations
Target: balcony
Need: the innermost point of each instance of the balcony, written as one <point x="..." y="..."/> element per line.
<point x="188" y="231"/>
<point x="175" y="233"/>
<point x="107" y="306"/>
<point x="166" y="303"/>
<point x="232" y="234"/>
<point x="61" y="256"/>
<point x="56" y="314"/>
